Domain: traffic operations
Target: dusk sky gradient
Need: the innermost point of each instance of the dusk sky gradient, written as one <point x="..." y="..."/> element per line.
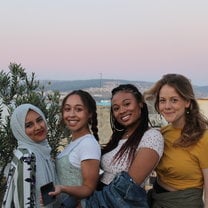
<point x="136" y="40"/>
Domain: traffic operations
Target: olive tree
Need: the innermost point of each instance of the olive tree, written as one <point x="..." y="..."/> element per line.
<point x="17" y="87"/>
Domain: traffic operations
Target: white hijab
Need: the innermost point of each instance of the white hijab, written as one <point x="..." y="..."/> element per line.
<point x="45" y="169"/>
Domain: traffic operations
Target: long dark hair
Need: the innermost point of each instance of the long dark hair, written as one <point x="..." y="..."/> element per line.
<point x="91" y="106"/>
<point x="130" y="146"/>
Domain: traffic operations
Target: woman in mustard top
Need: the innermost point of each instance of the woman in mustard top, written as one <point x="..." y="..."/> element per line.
<point x="182" y="173"/>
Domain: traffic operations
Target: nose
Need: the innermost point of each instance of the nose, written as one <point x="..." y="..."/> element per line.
<point x="122" y="109"/>
<point x="167" y="104"/>
<point x="37" y="125"/>
<point x="71" y="112"/>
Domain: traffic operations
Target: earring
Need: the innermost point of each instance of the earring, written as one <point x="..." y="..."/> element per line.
<point x="118" y="129"/>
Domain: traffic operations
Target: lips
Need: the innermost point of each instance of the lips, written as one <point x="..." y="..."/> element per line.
<point x="40" y="133"/>
<point x="168" y="113"/>
<point x="125" y="118"/>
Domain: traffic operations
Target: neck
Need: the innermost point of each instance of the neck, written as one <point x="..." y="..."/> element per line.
<point x="127" y="134"/>
<point x="77" y="135"/>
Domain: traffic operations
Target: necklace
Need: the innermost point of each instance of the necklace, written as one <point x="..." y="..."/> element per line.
<point x="126" y="135"/>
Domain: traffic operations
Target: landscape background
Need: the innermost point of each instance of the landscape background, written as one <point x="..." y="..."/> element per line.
<point x="100" y="89"/>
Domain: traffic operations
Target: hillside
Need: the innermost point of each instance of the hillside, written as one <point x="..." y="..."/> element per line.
<point x="101" y="89"/>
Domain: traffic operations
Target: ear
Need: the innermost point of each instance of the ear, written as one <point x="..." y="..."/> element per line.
<point x="90" y="118"/>
<point x="141" y="105"/>
<point x="188" y="103"/>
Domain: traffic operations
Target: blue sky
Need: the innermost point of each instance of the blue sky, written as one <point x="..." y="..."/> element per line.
<point x="132" y="39"/>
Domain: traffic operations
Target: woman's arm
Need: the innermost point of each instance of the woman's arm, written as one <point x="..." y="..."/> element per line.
<point x="148" y="155"/>
<point x="144" y="163"/>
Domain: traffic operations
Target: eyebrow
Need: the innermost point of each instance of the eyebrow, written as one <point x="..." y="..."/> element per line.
<point x="77" y="105"/>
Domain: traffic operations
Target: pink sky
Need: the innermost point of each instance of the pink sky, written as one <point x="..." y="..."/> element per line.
<point x="135" y="40"/>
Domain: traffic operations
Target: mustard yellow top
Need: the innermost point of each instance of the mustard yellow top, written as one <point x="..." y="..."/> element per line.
<point x="181" y="168"/>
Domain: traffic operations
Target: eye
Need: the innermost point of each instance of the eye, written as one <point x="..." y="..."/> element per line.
<point x="161" y="100"/>
<point x="115" y="108"/>
<point x="39" y="119"/>
<point x="78" y="109"/>
<point x="174" y="100"/>
<point x="28" y="125"/>
<point x="126" y="104"/>
<point x="66" y="109"/>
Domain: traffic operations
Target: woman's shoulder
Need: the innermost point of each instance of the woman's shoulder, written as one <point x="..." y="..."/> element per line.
<point x="22" y="153"/>
<point x="89" y="141"/>
<point x="153" y="135"/>
<point x="204" y="138"/>
<point x="154" y="132"/>
<point x="169" y="128"/>
<point x="153" y="139"/>
<point x="89" y="138"/>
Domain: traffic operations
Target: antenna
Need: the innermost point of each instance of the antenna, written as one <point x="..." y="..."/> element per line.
<point x="101" y="76"/>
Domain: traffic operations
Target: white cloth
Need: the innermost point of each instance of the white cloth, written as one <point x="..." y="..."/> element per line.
<point x="152" y="139"/>
<point x="85" y="147"/>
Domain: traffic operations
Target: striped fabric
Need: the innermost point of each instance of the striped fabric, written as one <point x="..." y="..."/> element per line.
<point x="20" y="190"/>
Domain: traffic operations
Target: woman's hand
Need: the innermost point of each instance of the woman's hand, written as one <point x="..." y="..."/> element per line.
<point x="58" y="190"/>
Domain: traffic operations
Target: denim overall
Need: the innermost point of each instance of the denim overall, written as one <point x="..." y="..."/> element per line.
<point x="122" y="192"/>
<point x="69" y="175"/>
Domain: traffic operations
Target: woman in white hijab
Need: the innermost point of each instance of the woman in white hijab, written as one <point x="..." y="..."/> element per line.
<point x="31" y="166"/>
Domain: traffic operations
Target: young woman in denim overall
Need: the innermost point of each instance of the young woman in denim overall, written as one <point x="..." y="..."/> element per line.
<point x="78" y="164"/>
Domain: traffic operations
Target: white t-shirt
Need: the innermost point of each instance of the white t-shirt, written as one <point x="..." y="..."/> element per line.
<point x="152" y="139"/>
<point x="83" y="148"/>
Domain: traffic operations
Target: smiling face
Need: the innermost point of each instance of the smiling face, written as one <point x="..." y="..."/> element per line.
<point x="35" y="126"/>
<point x="76" y="116"/>
<point x="172" y="106"/>
<point x="126" y="110"/>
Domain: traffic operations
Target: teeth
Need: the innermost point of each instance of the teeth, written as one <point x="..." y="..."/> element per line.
<point x="125" y="118"/>
<point x="73" y="122"/>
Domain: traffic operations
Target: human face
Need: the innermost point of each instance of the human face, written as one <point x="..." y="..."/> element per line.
<point x="35" y="126"/>
<point x="172" y="106"/>
<point x="76" y="116"/>
<point x="126" y="109"/>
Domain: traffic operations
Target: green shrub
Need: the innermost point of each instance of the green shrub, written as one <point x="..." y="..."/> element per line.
<point x="17" y="87"/>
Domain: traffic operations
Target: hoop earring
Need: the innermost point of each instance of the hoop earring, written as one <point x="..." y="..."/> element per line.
<point x="118" y="129"/>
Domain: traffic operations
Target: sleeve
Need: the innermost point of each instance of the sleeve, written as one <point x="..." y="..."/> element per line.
<point x="20" y="189"/>
<point x="90" y="149"/>
<point x="201" y="151"/>
<point x="153" y="139"/>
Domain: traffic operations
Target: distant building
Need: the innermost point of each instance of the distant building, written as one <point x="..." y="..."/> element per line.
<point x="104" y="103"/>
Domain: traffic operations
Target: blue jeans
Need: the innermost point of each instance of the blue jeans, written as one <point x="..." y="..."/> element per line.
<point x="121" y="192"/>
<point x="69" y="202"/>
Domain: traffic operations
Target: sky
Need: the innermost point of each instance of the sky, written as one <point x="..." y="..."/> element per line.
<point x="138" y="40"/>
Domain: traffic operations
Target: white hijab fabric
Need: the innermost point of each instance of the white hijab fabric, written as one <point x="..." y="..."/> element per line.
<point x="45" y="169"/>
